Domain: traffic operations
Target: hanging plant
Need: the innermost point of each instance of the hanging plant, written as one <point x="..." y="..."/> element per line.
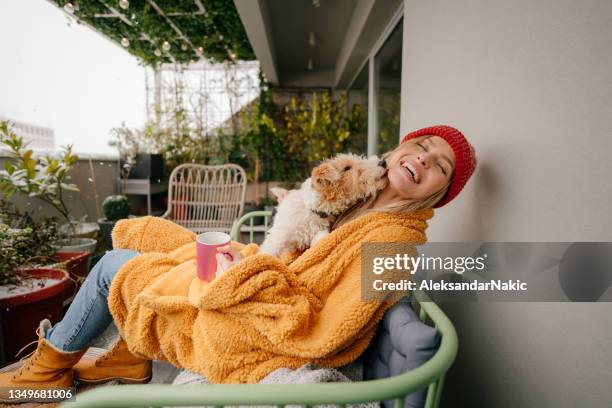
<point x="165" y="31"/>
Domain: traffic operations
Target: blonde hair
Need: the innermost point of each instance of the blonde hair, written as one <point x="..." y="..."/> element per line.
<point x="365" y="206"/>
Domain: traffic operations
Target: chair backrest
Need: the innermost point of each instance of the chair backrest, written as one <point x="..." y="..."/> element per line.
<point x="206" y="198"/>
<point x="246" y="224"/>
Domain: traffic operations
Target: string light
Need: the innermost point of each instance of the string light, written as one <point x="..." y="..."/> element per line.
<point x="69" y="8"/>
<point x="125" y="42"/>
<point x="124" y="4"/>
<point x="166" y="46"/>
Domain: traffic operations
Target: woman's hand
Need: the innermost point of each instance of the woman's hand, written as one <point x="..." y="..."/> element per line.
<point x="226" y="257"/>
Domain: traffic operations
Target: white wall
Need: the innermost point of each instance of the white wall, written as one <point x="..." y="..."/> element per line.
<point x="530" y="84"/>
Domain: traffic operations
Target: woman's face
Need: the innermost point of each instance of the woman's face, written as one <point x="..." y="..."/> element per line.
<point x="418" y="170"/>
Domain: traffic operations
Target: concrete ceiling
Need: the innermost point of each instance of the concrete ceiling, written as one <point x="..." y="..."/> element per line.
<point x="345" y="31"/>
<point x="291" y="23"/>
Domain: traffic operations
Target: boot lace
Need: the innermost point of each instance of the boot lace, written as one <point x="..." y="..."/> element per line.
<point x="110" y="353"/>
<point x="32" y="356"/>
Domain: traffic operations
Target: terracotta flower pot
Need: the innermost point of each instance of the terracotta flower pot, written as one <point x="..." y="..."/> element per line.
<point x="20" y="314"/>
<point x="77" y="264"/>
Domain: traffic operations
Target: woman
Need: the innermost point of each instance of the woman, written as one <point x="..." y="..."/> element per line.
<point x="261" y="314"/>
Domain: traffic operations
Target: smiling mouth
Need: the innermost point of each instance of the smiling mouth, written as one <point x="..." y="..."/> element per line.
<point x="411" y="170"/>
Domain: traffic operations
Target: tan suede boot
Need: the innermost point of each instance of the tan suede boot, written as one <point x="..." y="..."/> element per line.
<point x="47" y="367"/>
<point x="118" y="363"/>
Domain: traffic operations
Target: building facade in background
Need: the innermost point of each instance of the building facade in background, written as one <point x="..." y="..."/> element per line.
<point x="36" y="137"/>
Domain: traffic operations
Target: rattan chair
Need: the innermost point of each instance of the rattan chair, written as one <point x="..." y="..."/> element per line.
<point x="206" y="198"/>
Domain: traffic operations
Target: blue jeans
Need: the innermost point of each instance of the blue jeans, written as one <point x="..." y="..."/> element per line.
<point x="88" y="315"/>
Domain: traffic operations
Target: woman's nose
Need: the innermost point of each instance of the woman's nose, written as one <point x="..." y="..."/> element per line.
<point x="424" y="160"/>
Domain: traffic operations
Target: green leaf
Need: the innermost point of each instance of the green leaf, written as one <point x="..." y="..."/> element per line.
<point x="9" y="167"/>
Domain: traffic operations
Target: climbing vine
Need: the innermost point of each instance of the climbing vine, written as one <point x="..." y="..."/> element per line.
<point x="166" y="31"/>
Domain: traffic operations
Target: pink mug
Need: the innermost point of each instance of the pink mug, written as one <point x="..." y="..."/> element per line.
<point x="206" y="251"/>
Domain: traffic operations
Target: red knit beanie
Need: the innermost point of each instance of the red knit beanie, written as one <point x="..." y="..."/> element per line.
<point x="465" y="157"/>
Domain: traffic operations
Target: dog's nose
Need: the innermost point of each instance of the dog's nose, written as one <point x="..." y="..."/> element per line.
<point x="383" y="164"/>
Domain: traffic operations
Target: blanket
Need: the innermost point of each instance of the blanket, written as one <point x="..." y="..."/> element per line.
<point x="262" y="313"/>
<point x="306" y="374"/>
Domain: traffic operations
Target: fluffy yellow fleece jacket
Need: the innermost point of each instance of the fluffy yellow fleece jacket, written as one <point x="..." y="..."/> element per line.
<point x="261" y="314"/>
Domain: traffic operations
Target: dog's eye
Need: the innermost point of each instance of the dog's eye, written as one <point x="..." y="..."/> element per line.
<point x="347" y="168"/>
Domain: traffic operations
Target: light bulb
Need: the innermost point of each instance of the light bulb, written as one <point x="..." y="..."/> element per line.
<point x="124" y="4"/>
<point x="69" y="8"/>
<point x="166" y="46"/>
<point x="157" y="53"/>
<point x="125" y="42"/>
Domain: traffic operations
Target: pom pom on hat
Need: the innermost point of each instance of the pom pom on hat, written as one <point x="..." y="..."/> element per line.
<point x="465" y="157"/>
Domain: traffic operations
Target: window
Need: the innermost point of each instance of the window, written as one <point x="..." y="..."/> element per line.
<point x="374" y="98"/>
<point x="358" y="112"/>
<point x="388" y="80"/>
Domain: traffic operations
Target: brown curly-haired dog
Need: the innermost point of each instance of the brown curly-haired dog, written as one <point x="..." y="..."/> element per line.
<point x="305" y="215"/>
<point x="346" y="179"/>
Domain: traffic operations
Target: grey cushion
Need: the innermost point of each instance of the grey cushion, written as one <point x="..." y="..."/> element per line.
<point x="402" y="343"/>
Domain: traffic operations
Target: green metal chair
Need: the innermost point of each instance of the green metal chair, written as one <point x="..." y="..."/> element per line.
<point x="430" y="374"/>
<point x="251" y="228"/>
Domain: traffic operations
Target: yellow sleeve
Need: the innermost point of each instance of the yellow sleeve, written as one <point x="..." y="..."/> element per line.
<point x="150" y="234"/>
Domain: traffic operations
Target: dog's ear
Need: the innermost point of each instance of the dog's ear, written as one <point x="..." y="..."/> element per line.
<point x="278" y="191"/>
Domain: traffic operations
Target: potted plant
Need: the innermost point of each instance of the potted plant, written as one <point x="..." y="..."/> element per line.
<point x="29" y="291"/>
<point x="115" y="207"/>
<point x="44" y="177"/>
<point x="44" y="240"/>
<point x="267" y="203"/>
<point x="250" y="206"/>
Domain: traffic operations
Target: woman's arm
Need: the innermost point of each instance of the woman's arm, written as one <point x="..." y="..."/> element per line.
<point x="150" y="234"/>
